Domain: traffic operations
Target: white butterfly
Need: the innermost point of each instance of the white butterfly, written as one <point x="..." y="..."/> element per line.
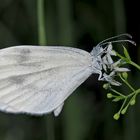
<point x="37" y="80"/>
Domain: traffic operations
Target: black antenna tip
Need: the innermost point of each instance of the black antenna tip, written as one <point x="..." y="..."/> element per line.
<point x="134" y="43"/>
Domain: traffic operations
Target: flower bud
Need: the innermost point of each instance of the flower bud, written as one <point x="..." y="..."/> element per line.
<point x="124" y="111"/>
<point x="125" y="75"/>
<point x="133" y="102"/>
<point x="106" y="86"/>
<point x="109" y="95"/>
<point x="116" y="116"/>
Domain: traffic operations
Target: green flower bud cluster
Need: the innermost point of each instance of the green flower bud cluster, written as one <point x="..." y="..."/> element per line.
<point x="122" y="74"/>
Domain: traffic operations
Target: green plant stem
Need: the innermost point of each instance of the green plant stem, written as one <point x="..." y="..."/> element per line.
<point x="126" y="107"/>
<point x="126" y="82"/>
<point x="120" y="55"/>
<point x="135" y="92"/>
<point x="41" y="23"/>
<point x="122" y="105"/>
<point x="135" y="65"/>
<point x="118" y="93"/>
<point x="42" y="41"/>
<point x="128" y="61"/>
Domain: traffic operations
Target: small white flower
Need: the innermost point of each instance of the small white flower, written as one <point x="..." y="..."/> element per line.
<point x="110" y="78"/>
<point x="109" y="50"/>
<point x="107" y="60"/>
<point x="116" y="67"/>
<point x="108" y="68"/>
<point x="109" y="53"/>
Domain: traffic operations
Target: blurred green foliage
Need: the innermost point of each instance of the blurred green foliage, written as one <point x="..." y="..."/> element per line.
<point x="87" y="114"/>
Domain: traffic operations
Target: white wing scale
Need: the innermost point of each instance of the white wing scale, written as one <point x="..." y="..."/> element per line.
<point x="37" y="80"/>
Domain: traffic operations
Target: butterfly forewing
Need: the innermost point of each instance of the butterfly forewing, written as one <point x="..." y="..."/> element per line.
<point x="37" y="80"/>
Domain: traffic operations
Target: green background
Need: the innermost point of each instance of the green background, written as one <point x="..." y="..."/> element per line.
<point x="87" y="113"/>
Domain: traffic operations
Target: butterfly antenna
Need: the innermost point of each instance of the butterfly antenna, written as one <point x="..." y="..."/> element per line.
<point x="115" y="37"/>
<point x="116" y="41"/>
<point x="120" y="41"/>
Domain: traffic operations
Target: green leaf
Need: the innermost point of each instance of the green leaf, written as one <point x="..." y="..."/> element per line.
<point x="117" y="99"/>
<point x="126" y="53"/>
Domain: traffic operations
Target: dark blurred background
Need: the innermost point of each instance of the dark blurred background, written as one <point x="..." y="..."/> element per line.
<point x="87" y="113"/>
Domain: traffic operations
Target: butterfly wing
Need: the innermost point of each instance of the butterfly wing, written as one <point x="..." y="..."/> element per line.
<point x="37" y="80"/>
